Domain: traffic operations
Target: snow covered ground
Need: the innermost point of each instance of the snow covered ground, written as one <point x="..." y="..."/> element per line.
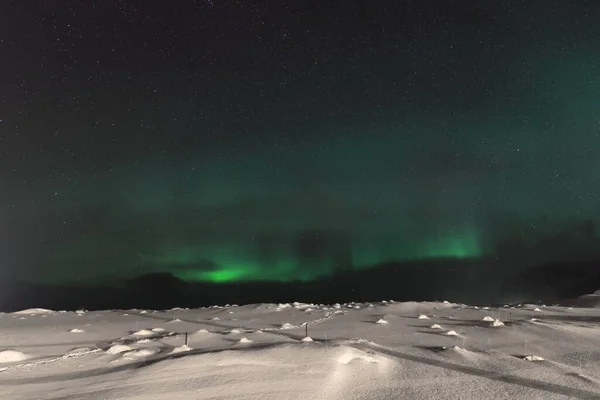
<point x="382" y="350"/>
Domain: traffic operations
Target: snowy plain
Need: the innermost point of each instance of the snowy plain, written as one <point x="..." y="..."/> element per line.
<point x="382" y="350"/>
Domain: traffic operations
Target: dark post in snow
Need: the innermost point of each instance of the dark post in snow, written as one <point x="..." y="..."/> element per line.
<point x="306" y="326"/>
<point x="186" y="342"/>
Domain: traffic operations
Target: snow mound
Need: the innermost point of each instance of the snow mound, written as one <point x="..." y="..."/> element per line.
<point x="202" y="331"/>
<point x="537" y="309"/>
<point x="216" y="318"/>
<point x="307" y="339"/>
<point x="245" y="340"/>
<point x="497" y="323"/>
<point x="351" y="355"/>
<point x="533" y="358"/>
<point x="450" y="333"/>
<point x="158" y="329"/>
<point x="142" y="353"/>
<point x="181" y="349"/>
<point x="118" y="349"/>
<point x="300" y="305"/>
<point x="144" y="341"/>
<point x="287" y="325"/>
<point x="423" y="316"/>
<point x="487" y="318"/>
<point x="235" y="331"/>
<point x="457" y="349"/>
<point x="381" y="321"/>
<point x="75" y="330"/>
<point x="34" y="311"/>
<point x="9" y="356"/>
<point x="435" y="326"/>
<point x="143" y="332"/>
<point x="81" y="351"/>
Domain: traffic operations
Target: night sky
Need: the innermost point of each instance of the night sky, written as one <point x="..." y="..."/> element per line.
<point x="282" y="140"/>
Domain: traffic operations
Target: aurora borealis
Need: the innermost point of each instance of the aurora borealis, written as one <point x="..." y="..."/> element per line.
<point x="223" y="141"/>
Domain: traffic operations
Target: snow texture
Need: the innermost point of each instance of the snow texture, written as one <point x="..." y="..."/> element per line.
<point x="263" y="351"/>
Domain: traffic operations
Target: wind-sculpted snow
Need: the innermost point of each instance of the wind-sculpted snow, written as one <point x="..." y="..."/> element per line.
<point x="375" y="351"/>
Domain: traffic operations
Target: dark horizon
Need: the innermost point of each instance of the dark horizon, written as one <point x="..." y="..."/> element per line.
<point x="474" y="282"/>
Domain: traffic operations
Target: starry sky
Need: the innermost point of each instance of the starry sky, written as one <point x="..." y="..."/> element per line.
<point x="286" y="140"/>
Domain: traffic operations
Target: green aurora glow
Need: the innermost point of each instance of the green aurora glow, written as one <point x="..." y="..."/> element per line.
<point x="302" y="150"/>
<point x="239" y="264"/>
